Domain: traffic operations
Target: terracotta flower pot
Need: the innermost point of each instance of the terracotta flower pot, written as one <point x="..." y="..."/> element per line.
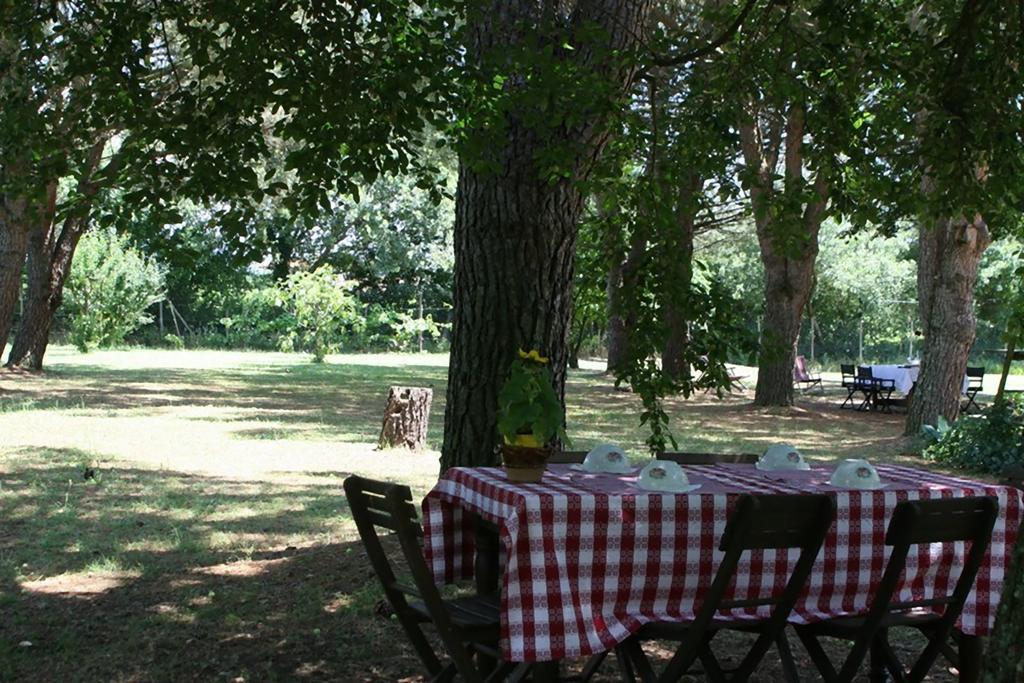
<point x="524" y="460"/>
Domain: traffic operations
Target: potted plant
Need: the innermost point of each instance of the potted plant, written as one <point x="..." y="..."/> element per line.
<point x="529" y="417"/>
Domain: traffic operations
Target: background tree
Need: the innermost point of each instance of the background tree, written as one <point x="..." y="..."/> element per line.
<point x="109" y="290"/>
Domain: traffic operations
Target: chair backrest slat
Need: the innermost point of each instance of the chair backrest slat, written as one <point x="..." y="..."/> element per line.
<point x="940" y="521"/>
<point x="976" y="371"/>
<point x="865" y="372"/>
<point x="779" y="521"/>
<point x="686" y="458"/>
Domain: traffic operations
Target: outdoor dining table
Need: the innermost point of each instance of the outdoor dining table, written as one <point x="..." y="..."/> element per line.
<point x="589" y="558"/>
<point x="904" y="376"/>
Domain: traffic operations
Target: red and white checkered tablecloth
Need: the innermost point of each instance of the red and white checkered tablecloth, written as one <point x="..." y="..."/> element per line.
<point x="590" y="558"/>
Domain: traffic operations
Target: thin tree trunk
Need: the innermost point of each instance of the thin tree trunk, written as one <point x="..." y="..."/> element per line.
<point x="623" y="278"/>
<point x="515" y="230"/>
<point x="674" y="360"/>
<point x="947" y="272"/>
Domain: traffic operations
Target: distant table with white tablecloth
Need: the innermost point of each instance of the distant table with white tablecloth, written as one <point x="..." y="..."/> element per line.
<point x="903" y="376"/>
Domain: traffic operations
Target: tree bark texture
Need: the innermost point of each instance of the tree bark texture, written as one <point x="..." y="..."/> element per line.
<point x="50" y="253"/>
<point x="406" y="418"/>
<point x="623" y="278"/>
<point x="48" y="266"/>
<point x="787" y="233"/>
<point x="674" y="358"/>
<point x="515" y="231"/>
<point x="947" y="271"/>
<point x="13" y="243"/>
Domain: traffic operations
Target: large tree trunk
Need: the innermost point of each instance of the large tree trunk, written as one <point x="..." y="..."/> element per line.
<point x="49" y="258"/>
<point x="13" y="243"/>
<point x="947" y="271"/>
<point x="787" y="233"/>
<point x="515" y="230"/>
<point x="786" y="292"/>
<point x="49" y="264"/>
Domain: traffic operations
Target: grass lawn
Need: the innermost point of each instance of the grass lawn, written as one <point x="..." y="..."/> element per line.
<point x="171" y="515"/>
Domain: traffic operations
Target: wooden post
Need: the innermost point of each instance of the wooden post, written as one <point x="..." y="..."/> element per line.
<point x="1011" y="355"/>
<point x="406" y="418"/>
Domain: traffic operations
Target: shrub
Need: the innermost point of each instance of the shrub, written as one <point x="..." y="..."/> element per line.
<point x="110" y="286"/>
<point x="987" y="442"/>
<point x="322" y="310"/>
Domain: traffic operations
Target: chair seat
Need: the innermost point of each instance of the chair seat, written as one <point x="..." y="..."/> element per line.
<point x="846" y="627"/>
<point x="470" y="612"/>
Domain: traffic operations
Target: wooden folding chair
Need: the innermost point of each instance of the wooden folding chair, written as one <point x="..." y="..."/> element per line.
<point x="849" y="382"/>
<point x="975" y="382"/>
<point x="708" y="458"/>
<point x="802" y="376"/>
<point x="757" y="522"/>
<point x="913" y="522"/>
<point x="467" y="625"/>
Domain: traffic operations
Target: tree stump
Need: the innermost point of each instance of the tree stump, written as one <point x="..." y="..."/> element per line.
<point x="406" y="417"/>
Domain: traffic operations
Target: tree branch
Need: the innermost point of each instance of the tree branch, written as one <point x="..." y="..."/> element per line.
<point x="722" y="39"/>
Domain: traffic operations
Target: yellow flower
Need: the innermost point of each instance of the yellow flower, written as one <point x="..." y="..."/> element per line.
<point x="533" y="355"/>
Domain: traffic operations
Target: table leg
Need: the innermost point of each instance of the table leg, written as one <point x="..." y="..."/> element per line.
<point x="971" y="649"/>
<point x="486" y="574"/>
<point x="546" y="672"/>
<point x="486" y="570"/>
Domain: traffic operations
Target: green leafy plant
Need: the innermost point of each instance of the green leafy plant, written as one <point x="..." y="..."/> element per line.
<point x="987" y="442"/>
<point x="109" y="289"/>
<point x="322" y="308"/>
<point x="935" y="433"/>
<point x="527" y="403"/>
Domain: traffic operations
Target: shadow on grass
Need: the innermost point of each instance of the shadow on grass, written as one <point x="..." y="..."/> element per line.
<point x="157" y="575"/>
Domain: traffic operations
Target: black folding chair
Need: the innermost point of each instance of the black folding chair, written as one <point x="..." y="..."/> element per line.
<point x="466" y="625"/>
<point x="684" y="458"/>
<point x="876" y="391"/>
<point x="758" y="522"/>
<point x="975" y="382"/>
<point x="849" y="383"/>
<point x="913" y="522"/>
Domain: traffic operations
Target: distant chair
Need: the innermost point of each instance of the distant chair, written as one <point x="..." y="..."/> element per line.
<point x="708" y="458"/>
<point x="975" y="382"/>
<point x="849" y="382"/>
<point x="877" y="391"/>
<point x="803" y="377"/>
